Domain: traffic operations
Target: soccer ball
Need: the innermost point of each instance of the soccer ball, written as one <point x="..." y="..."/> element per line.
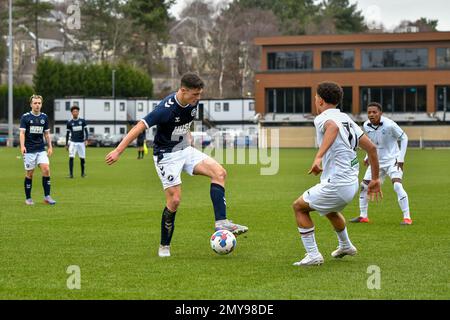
<point x="223" y="242"/>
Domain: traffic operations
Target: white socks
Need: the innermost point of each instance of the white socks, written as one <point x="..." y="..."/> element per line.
<point x="402" y="197"/>
<point x="309" y="241"/>
<point x="363" y="200"/>
<point x="344" y="240"/>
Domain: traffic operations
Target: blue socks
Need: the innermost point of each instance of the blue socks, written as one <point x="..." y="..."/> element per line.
<point x="167" y="226"/>
<point x="27" y="185"/>
<point x="217" y="193"/>
<point x="46" y="185"/>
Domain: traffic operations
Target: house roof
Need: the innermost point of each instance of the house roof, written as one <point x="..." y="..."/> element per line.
<point x="358" y="38"/>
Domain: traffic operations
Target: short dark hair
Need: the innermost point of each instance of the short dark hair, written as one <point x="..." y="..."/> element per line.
<point x="191" y="80"/>
<point x="330" y="92"/>
<point x="375" y="104"/>
<point x="75" y="107"/>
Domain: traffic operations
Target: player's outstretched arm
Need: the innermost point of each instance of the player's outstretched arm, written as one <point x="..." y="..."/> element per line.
<point x="331" y="132"/>
<point x="114" y="155"/>
<point x="375" y="184"/>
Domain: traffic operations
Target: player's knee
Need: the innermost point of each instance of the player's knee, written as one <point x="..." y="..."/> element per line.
<point x="46" y="171"/>
<point x="29" y="174"/>
<point x="220" y="174"/>
<point x="398" y="188"/>
<point x="297" y="206"/>
<point x="174" y="202"/>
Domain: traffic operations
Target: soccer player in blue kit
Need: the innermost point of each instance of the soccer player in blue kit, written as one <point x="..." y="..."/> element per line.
<point x="78" y="133"/>
<point x="173" y="153"/>
<point x="33" y="128"/>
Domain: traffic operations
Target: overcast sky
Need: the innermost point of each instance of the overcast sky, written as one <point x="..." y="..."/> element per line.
<point x="390" y="12"/>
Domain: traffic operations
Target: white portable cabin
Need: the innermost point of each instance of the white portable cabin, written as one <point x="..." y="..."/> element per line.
<point x="103" y="116"/>
<point x="117" y="116"/>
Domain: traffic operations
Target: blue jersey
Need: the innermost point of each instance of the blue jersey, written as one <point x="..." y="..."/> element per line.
<point x="34" y="126"/>
<point x="173" y="123"/>
<point x="77" y="128"/>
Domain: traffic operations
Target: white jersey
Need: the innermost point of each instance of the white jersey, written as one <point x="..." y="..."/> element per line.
<point x="340" y="164"/>
<point x="386" y="136"/>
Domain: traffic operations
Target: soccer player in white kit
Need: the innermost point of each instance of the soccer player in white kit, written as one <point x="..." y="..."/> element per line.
<point x="386" y="135"/>
<point x="338" y="137"/>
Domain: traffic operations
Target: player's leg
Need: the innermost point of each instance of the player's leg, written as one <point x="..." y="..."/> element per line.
<point x="71" y="158"/>
<point x="345" y="245"/>
<point x="201" y="164"/>
<point x="169" y="167"/>
<point x="363" y="198"/>
<point x="27" y="185"/>
<point x="29" y="161"/>
<point x="173" y="198"/>
<point x="307" y="233"/>
<point x="363" y="203"/>
<point x="81" y="149"/>
<point x="44" y="165"/>
<point x="403" y="201"/>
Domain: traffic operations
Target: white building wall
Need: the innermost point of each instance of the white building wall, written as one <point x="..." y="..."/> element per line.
<point x="109" y="111"/>
<point x="229" y="110"/>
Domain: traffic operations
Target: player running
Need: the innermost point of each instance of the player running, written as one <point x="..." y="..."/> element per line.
<point x="386" y="135"/>
<point x="173" y="153"/>
<point x="33" y="128"/>
<point x="338" y="137"/>
<point x="78" y="132"/>
<point x="140" y="145"/>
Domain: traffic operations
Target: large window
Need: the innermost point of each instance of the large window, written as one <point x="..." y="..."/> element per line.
<point x="396" y="99"/>
<point x="443" y="98"/>
<point x="338" y="59"/>
<point x="394" y="58"/>
<point x="443" y="57"/>
<point x="291" y="60"/>
<point x="289" y="100"/>
<point x="347" y="100"/>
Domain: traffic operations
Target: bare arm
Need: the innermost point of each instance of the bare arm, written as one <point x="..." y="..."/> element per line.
<point x="331" y="132"/>
<point x="375" y="184"/>
<point x="403" y="146"/>
<point x="114" y="155"/>
<point x="48" y="138"/>
<point x="23" y="150"/>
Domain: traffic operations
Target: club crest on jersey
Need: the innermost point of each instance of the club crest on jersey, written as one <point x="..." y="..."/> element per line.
<point x="42" y="121"/>
<point x="193" y="112"/>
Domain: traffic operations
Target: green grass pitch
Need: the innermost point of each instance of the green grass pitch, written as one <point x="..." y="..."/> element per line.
<point x="109" y="225"/>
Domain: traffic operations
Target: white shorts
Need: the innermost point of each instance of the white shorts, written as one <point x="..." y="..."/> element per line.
<point x="77" y="147"/>
<point x="326" y="197"/>
<point x="170" y="166"/>
<point x="31" y="160"/>
<point x="392" y="171"/>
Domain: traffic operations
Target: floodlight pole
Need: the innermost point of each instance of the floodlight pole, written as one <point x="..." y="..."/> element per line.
<point x="10" y="80"/>
<point x="113" y="83"/>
